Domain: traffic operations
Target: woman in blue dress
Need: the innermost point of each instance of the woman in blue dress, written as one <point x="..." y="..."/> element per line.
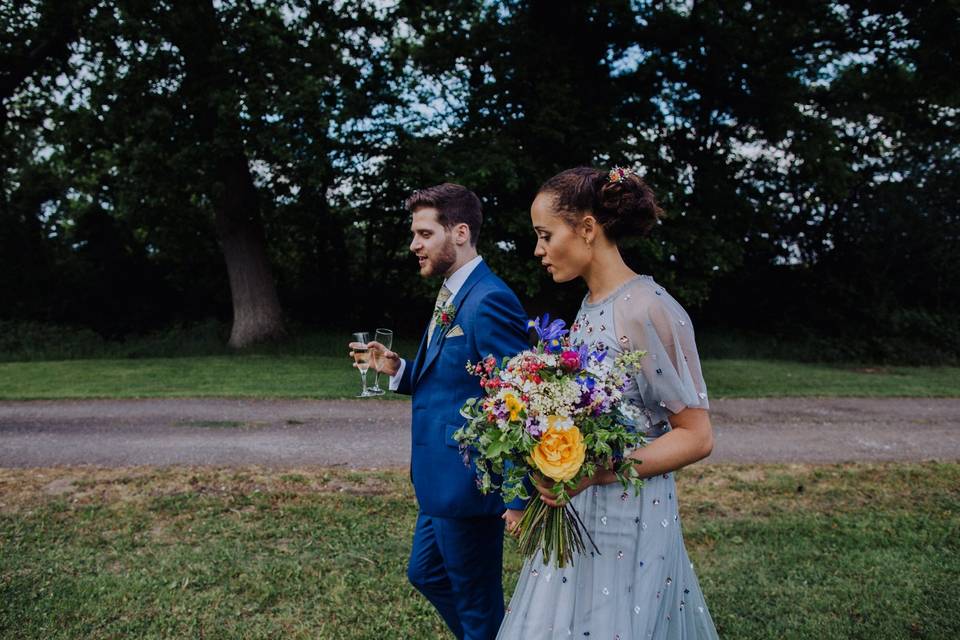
<point x="641" y="584"/>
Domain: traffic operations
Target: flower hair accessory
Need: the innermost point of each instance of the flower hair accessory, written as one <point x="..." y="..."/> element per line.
<point x="619" y="174"/>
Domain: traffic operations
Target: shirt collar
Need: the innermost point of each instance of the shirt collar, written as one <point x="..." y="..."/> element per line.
<point x="455" y="282"/>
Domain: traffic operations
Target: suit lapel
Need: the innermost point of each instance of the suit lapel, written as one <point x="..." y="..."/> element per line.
<point x="418" y="360"/>
<point x="435" y="345"/>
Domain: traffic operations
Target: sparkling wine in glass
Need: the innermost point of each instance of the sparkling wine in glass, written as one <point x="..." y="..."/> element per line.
<point x="384" y="337"/>
<point x="361" y="355"/>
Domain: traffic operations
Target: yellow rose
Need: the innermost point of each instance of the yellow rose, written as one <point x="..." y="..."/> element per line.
<point x="560" y="453"/>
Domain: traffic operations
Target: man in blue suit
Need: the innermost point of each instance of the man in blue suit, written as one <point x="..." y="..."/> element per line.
<point x="456" y="560"/>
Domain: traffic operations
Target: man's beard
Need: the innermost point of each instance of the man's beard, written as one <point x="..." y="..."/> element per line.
<point x="445" y="259"/>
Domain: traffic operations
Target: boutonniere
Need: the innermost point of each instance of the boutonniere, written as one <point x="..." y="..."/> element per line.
<point x="443" y="316"/>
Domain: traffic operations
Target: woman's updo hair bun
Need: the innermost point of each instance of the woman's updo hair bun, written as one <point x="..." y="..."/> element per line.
<point x="619" y="199"/>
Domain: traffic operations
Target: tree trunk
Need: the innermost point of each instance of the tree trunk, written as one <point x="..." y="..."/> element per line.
<point x="211" y="97"/>
<point x="257" y="315"/>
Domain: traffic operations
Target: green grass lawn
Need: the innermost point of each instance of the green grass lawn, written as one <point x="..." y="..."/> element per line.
<point x="302" y="376"/>
<point x="818" y="552"/>
<point x="239" y="376"/>
<point x="777" y="378"/>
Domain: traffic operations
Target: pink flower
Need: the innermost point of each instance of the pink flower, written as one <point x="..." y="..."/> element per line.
<point x="570" y="360"/>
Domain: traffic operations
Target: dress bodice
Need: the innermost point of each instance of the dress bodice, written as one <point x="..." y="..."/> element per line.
<point x="641" y="315"/>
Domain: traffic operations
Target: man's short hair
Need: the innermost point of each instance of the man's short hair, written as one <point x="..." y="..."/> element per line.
<point x="455" y="205"/>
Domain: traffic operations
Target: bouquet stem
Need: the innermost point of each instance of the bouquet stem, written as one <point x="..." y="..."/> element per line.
<point x="556" y="531"/>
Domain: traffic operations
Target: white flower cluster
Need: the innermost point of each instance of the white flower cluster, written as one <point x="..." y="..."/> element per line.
<point x="556" y="398"/>
<point x="549" y="359"/>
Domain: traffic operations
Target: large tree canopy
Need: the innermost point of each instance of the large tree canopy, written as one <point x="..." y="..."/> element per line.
<point x="175" y="161"/>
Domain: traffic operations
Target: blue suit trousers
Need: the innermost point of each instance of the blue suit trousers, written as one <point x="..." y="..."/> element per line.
<point x="455" y="563"/>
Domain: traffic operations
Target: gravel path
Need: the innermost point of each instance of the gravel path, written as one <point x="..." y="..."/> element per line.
<point x="365" y="434"/>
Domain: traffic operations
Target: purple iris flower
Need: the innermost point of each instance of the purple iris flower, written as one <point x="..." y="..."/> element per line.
<point x="547" y="331"/>
<point x="584" y="352"/>
<point x="553" y="346"/>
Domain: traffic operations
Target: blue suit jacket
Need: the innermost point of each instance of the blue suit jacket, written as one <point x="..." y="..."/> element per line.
<point x="493" y="323"/>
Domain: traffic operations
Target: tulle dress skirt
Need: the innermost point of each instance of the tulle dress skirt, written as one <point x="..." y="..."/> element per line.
<point x="640" y="585"/>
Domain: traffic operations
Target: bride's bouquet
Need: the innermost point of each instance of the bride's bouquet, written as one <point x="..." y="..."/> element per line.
<point x="553" y="412"/>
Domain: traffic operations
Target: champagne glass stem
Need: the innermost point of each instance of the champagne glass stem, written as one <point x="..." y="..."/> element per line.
<point x="363" y="378"/>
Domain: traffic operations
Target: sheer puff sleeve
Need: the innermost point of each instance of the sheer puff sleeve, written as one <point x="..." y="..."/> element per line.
<point x="650" y="319"/>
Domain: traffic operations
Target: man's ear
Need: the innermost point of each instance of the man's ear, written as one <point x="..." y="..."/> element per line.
<point x="461" y="234"/>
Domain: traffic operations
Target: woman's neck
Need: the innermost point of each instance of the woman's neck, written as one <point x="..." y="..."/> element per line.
<point x="606" y="272"/>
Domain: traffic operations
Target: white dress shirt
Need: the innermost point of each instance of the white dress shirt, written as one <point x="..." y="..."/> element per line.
<point x="454" y="283"/>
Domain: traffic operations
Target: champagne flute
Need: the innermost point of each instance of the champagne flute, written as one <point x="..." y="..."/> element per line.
<point x="361" y="355"/>
<point x="384" y="337"/>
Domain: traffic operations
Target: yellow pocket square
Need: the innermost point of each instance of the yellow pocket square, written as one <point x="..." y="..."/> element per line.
<point x="455" y="331"/>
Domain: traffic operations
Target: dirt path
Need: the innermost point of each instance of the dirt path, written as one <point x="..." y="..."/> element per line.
<point x="364" y="434"/>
